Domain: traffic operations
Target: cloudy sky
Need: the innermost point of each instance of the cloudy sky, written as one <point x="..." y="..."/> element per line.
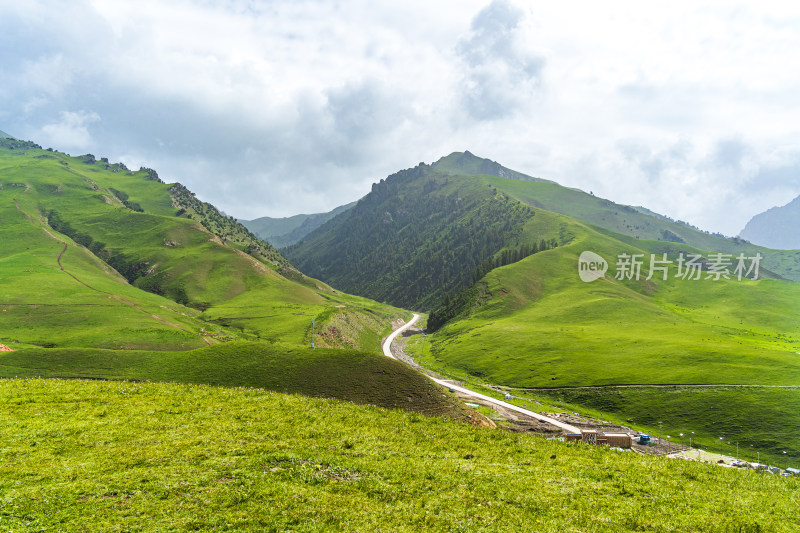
<point x="278" y="108"/>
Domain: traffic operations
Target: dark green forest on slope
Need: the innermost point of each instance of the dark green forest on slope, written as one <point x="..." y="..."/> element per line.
<point x="417" y="236"/>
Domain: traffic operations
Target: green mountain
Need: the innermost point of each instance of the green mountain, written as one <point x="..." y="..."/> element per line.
<point x="282" y="232"/>
<point x="636" y="222"/>
<point x="416" y="236"/>
<point x="778" y="227"/>
<point x="4" y="135"/>
<point x="95" y="255"/>
<point x="426" y="232"/>
<point x="496" y="260"/>
<point x="535" y="324"/>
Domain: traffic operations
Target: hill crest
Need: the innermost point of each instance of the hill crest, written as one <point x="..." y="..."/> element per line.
<point x="777" y="227"/>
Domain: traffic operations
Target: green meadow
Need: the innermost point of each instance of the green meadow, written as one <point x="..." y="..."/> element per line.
<point x="535" y="324"/>
<point x="538" y="321"/>
<point x="100" y="456"/>
<point x="174" y="285"/>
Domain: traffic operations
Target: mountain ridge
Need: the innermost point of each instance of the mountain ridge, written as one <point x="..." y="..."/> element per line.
<point x="777" y="227"/>
<point x="401" y="212"/>
<point x="285" y="231"/>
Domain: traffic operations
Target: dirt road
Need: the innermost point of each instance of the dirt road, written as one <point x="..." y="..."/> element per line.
<point x="387" y="351"/>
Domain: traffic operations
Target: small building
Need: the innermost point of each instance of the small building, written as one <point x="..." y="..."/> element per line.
<point x="591" y="436"/>
<point x="619" y="440"/>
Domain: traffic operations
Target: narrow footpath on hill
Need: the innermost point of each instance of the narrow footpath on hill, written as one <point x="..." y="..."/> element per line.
<point x="110" y="295"/>
<point x="387" y="351"/>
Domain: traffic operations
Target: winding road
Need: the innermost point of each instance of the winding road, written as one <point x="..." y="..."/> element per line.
<point x="387" y="351"/>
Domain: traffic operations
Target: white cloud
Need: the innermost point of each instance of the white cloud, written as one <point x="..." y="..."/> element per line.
<point x="279" y="108"/>
<point x="71" y="132"/>
<point x="500" y="73"/>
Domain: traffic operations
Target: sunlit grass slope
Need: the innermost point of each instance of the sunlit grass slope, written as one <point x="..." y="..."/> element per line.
<point x="42" y="305"/>
<point x="94" y="456"/>
<point x="534" y="323"/>
<point x="538" y="320"/>
<point x="623" y="219"/>
<point x="137" y="275"/>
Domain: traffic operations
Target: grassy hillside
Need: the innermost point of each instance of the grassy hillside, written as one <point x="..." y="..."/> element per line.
<point x="95" y="255"/>
<point x="344" y="374"/>
<point x="228" y="229"/>
<point x="633" y="221"/>
<point x="86" y="303"/>
<point x="281" y="232"/>
<point x="534" y="323"/>
<point x="100" y="456"/>
<point x="629" y="331"/>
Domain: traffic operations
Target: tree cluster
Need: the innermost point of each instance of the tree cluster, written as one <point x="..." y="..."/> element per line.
<point x="228" y="229"/>
<point x="123" y="197"/>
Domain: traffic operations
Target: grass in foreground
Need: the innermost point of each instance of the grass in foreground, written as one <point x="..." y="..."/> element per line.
<point x="101" y="456"/>
<point x="344" y="374"/>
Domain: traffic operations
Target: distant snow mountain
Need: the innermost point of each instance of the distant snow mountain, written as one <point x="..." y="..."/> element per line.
<point x="778" y="227"/>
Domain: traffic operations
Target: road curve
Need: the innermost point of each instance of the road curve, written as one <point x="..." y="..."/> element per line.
<point x="387" y="351"/>
<point x="387" y="344"/>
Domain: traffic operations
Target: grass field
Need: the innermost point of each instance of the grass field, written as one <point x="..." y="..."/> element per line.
<point x="104" y="456"/>
<point x="540" y="322"/>
<point x="762" y="419"/>
<point x="538" y="325"/>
